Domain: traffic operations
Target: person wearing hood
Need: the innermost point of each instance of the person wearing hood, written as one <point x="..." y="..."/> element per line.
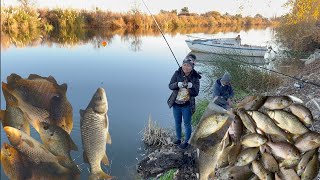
<point x="185" y="86"/>
<point x="223" y="92"/>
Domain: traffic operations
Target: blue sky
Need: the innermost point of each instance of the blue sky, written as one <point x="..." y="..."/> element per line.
<point x="267" y="8"/>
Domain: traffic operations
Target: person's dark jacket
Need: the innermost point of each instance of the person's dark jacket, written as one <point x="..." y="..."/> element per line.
<point x="225" y="92"/>
<point x="178" y="76"/>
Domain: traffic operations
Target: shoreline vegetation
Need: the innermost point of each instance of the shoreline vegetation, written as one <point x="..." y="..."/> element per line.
<point x="298" y="31"/>
<point x="23" y="25"/>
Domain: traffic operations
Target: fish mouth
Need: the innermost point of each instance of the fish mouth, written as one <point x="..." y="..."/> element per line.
<point x="13" y="135"/>
<point x="6" y="145"/>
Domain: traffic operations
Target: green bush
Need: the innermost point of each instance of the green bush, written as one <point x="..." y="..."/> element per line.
<point x="168" y="175"/>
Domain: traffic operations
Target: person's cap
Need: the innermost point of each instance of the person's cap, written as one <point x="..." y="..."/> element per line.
<point x="190" y="57"/>
<point x="226" y="77"/>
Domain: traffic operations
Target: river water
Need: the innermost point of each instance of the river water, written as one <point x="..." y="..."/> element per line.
<point x="134" y="71"/>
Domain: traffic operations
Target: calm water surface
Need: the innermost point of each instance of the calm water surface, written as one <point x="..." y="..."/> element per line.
<point x="135" y="74"/>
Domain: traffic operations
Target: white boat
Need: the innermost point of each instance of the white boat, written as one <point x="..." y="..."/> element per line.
<point x="229" y="46"/>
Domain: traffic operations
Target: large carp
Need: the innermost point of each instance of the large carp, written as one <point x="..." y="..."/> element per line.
<point x="94" y="126"/>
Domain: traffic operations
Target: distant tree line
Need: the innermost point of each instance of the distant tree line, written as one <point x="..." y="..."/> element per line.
<point x="55" y="19"/>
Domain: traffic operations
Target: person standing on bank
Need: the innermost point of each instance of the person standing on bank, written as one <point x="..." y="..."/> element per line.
<point x="223" y="92"/>
<point x="185" y="86"/>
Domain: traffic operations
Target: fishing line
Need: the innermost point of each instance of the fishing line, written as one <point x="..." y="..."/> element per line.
<point x="307" y="82"/>
<point x="161" y="32"/>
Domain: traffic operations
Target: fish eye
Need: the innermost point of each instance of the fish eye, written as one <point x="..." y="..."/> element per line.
<point x="45" y="127"/>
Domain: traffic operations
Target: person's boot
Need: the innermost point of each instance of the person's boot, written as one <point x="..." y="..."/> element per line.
<point x="184" y="145"/>
<point x="177" y="142"/>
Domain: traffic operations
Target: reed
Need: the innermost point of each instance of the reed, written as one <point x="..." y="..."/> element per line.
<point x="154" y="135"/>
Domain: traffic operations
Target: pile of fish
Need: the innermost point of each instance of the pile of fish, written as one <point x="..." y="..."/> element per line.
<point x="266" y="137"/>
<point x="42" y="102"/>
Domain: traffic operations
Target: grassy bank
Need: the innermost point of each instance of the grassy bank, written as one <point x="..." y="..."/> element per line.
<point x="245" y="79"/>
<point x="168" y="175"/>
<point x="200" y="107"/>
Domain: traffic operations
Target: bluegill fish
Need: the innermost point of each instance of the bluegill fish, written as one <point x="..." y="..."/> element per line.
<point x="303" y="113"/>
<point x="13" y="163"/>
<point x="284" y="150"/>
<point x="35" y="151"/>
<point x="13" y="116"/>
<point x="253" y="140"/>
<point x="252" y="103"/>
<point x="306" y="157"/>
<point x="247" y="120"/>
<point x="235" y="129"/>
<point x="208" y="126"/>
<point x="36" y="90"/>
<point x="308" y="141"/>
<point x="59" y="143"/>
<point x="312" y="168"/>
<point x="34" y="114"/>
<point x="287" y="121"/>
<point x="277" y="102"/>
<point x="266" y="124"/>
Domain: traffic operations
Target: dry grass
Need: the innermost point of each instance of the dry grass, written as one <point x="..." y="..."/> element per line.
<point x="155" y="136"/>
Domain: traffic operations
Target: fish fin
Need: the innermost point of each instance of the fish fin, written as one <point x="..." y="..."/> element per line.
<point x="52" y="79"/>
<point x="108" y="138"/>
<point x="105" y="160"/>
<point x="13" y="78"/>
<point x="2" y="115"/>
<point x="73" y="146"/>
<point x="34" y="76"/>
<point x="64" y="87"/>
<point x="82" y="112"/>
<point x="30" y="143"/>
<point x="295" y="99"/>
<point x="100" y="175"/>
<point x="85" y="159"/>
<point x="9" y="97"/>
<point x="63" y="161"/>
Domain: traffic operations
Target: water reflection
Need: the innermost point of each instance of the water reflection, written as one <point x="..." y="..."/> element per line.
<point x="74" y="37"/>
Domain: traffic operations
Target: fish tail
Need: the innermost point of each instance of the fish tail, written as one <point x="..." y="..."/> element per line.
<point x="100" y="175"/>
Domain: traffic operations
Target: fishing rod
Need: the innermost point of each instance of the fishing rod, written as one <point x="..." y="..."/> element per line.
<point x="307" y="82"/>
<point x="161" y="32"/>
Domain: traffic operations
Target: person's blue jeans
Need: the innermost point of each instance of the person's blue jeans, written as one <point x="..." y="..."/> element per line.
<point x="184" y="112"/>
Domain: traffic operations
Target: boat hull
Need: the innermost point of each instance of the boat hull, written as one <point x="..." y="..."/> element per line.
<point x="209" y="47"/>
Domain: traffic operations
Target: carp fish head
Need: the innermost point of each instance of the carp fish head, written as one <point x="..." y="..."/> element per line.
<point x="99" y="101"/>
